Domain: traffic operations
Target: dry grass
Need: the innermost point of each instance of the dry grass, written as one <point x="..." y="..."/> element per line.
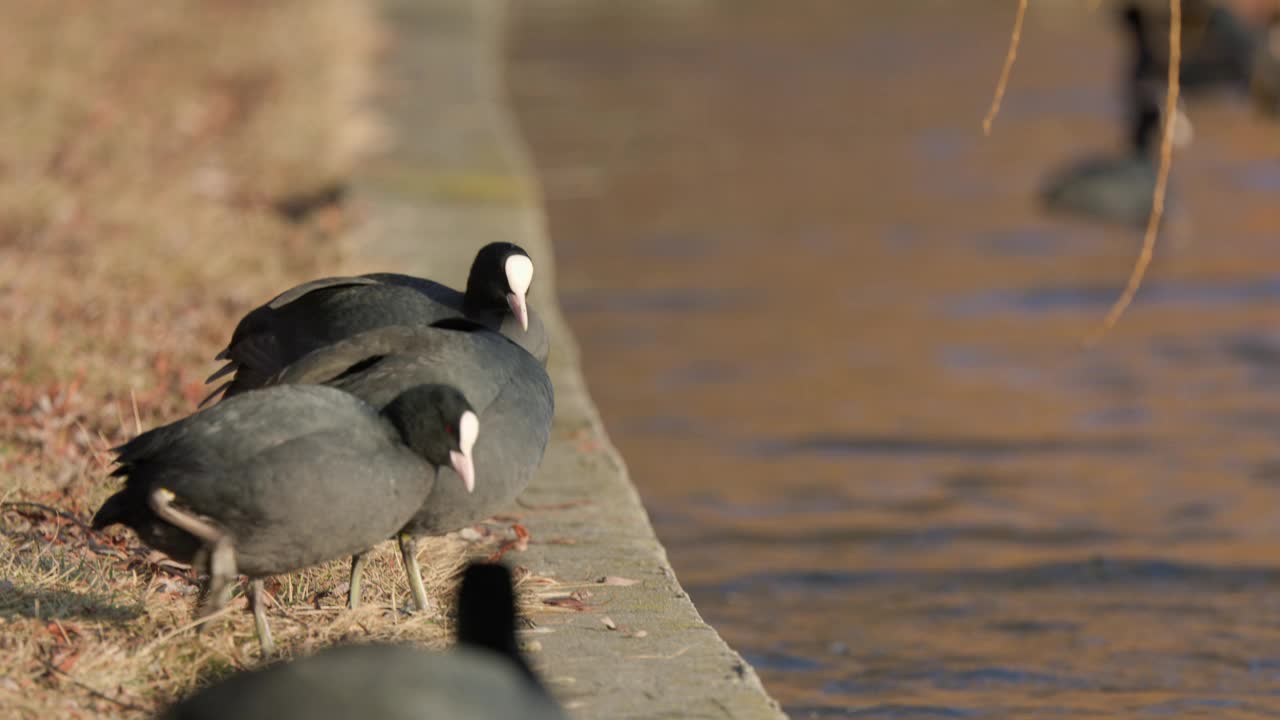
<point x="100" y="627"/>
<point x="142" y="150"/>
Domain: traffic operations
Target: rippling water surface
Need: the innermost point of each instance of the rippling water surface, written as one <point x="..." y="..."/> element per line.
<point x="838" y="346"/>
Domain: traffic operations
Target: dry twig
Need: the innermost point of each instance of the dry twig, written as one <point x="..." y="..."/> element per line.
<point x="1162" y="180"/>
<point x="1009" y="58"/>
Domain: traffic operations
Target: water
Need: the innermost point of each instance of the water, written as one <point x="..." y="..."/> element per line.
<point x="838" y="346"/>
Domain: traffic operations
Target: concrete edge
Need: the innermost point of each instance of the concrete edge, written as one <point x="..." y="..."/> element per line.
<point x="457" y="175"/>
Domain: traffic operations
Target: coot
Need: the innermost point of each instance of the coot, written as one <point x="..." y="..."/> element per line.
<point x="483" y="678"/>
<point x="508" y="388"/>
<point x="320" y="312"/>
<point x="283" y="478"/>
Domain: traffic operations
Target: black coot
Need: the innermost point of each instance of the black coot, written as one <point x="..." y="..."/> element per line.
<point x="508" y="388"/>
<point x="1218" y="46"/>
<point x="483" y="678"/>
<point x="320" y="312"/>
<point x="282" y="478"/>
<point x="1112" y="188"/>
<point x="1265" y="87"/>
<point x="1118" y="188"/>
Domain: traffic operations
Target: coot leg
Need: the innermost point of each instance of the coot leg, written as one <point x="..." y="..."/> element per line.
<point x="256" y="599"/>
<point x="222" y="555"/>
<point x="222" y="575"/>
<point x="357" y="567"/>
<point x="211" y="602"/>
<point x="409" y="552"/>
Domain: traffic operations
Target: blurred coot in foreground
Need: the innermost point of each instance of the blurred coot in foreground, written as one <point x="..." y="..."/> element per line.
<point x="484" y="677"/>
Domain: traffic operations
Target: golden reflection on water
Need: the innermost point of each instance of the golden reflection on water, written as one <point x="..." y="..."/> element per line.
<point x="838" y="346"/>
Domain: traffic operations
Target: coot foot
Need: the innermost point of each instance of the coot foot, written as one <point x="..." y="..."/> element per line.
<point x="257" y="595"/>
<point x="409" y="552"/>
<point x="357" y="568"/>
<point x="222" y="555"/>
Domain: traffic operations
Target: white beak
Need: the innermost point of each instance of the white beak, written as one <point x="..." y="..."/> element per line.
<point x="519" y="271"/>
<point x="520" y="309"/>
<point x="465" y="468"/>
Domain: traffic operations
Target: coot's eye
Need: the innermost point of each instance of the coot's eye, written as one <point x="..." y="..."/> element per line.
<point x="452" y="430"/>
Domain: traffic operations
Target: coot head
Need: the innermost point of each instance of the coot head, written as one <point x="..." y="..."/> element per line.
<point x="438" y="424"/>
<point x="500" y="277"/>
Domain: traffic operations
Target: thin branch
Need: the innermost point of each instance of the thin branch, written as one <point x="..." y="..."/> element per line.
<point x="89" y="532"/>
<point x="1162" y="180"/>
<point x="1009" y="57"/>
<point x="20" y="504"/>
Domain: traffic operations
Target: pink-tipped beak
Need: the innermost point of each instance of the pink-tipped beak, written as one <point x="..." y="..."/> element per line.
<point x="520" y="308"/>
<point x="465" y="468"/>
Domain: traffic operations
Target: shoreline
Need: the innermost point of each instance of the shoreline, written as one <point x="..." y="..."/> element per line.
<point x="454" y="176"/>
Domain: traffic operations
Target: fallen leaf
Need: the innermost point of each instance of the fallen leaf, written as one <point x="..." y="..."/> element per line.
<point x="520" y="544"/>
<point x="615" y="580"/>
<point x="586" y="442"/>
<point x="636" y="634"/>
<point x="608" y="622"/>
<point x="581" y="595"/>
<point x="565" y="602"/>
<point x="62" y="633"/>
<point x="540" y="580"/>
<point x="65" y="659"/>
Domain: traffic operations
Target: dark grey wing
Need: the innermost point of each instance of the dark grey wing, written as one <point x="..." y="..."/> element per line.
<point x="298" y="291"/>
<point x="378" y="365"/>
<point x="255" y="351"/>
<point x="523" y="410"/>
<point x="258" y="320"/>
<point x="515" y="427"/>
<point x="442" y="294"/>
<point x="315" y="498"/>
<point x="314" y="315"/>
<point x="244" y="425"/>
<point x="362" y="350"/>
